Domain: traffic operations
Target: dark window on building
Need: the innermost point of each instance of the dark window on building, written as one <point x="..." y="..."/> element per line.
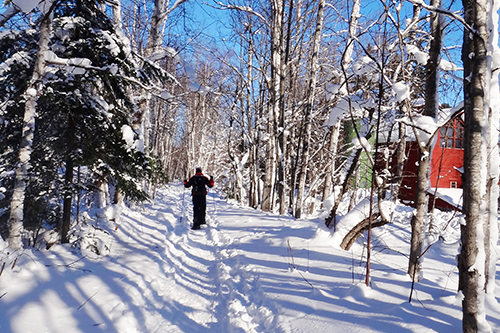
<point x="452" y="135"/>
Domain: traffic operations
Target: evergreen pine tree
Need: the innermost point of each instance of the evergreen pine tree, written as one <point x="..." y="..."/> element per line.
<point x="82" y="110"/>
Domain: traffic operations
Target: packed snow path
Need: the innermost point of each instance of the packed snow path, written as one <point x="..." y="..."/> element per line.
<point x="246" y="271"/>
<point x="205" y="284"/>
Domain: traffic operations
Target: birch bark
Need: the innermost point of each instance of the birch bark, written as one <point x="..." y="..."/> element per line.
<point x="471" y="261"/>
<point x="431" y="108"/>
<point x="273" y="108"/>
<point x="311" y="94"/>
<point x="22" y="171"/>
<point x="493" y="153"/>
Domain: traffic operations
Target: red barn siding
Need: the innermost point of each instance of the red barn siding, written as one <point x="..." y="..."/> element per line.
<point x="448" y="156"/>
<point x="446" y="161"/>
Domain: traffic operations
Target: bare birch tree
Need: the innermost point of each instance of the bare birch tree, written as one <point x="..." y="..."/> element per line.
<point x="491" y="221"/>
<point x="431" y="110"/>
<point x="23" y="167"/>
<point x="309" y="105"/>
<point x="476" y="108"/>
<point x="276" y="43"/>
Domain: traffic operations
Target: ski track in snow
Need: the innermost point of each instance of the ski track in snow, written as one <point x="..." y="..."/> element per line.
<point x="245" y="272"/>
<point x="201" y="265"/>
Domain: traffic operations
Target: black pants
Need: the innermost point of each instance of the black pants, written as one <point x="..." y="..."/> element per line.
<point x="200" y="207"/>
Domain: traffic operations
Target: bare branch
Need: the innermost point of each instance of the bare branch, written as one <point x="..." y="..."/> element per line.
<point x="439" y="10"/>
<point x="243" y="9"/>
<point x="8" y="14"/>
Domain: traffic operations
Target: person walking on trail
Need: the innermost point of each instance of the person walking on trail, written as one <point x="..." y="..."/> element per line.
<point x="199" y="193"/>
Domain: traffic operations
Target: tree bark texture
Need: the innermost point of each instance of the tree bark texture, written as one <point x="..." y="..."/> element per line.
<point x="421" y="208"/>
<point x="274" y="104"/>
<point x="311" y="93"/>
<point x="431" y="107"/>
<point x="471" y="267"/>
<point x="282" y="133"/>
<point x="17" y="204"/>
<point x="493" y="152"/>
<point x="333" y="138"/>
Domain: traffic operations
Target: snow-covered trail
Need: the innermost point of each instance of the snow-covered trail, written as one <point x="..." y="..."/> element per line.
<point x="184" y="280"/>
<point x="202" y="284"/>
<point x="247" y="271"/>
<point x="158" y="276"/>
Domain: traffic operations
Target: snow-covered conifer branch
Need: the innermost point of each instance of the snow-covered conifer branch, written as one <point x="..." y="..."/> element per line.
<point x="84" y="63"/>
<point x="158" y="68"/>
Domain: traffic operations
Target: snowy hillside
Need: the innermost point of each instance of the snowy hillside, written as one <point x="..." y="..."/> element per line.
<point x="247" y="271"/>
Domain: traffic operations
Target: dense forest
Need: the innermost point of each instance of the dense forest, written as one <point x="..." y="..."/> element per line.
<point x="285" y="102"/>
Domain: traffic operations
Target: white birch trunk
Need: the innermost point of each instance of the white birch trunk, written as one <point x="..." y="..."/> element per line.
<point x="476" y="109"/>
<point x="157" y="25"/>
<point x="252" y="195"/>
<point x="309" y="106"/>
<point x="353" y="27"/>
<point x="159" y="16"/>
<point x="17" y="204"/>
<point x="493" y="172"/>
<point x="117" y="14"/>
<point x="423" y="182"/>
<point x="330" y="167"/>
<point x="273" y="109"/>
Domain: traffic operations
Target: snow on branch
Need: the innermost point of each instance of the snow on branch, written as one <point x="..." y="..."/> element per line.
<point x="24" y="6"/>
<point x="157" y="56"/>
<point x="402" y="90"/>
<point x="18" y="57"/>
<point x="169" y="52"/>
<point x="425" y="128"/>
<point x="84" y="64"/>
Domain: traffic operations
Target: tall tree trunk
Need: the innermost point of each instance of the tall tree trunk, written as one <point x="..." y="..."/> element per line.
<point x="493" y="153"/>
<point x="400" y="153"/>
<point x="68" y="183"/>
<point x="353" y="27"/>
<point x="159" y="17"/>
<point x="476" y="84"/>
<point x="17" y="204"/>
<point x="346" y="60"/>
<point x="282" y="133"/>
<point x="330" y="166"/>
<point x="273" y="108"/>
<point x="157" y="25"/>
<point x="117" y="14"/>
<point x="155" y="31"/>
<point x="311" y="94"/>
<point x="431" y="108"/>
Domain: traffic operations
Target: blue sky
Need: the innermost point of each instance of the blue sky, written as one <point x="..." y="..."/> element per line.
<point x="212" y="26"/>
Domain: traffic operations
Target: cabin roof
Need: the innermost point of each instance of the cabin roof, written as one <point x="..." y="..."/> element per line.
<point x="389" y="132"/>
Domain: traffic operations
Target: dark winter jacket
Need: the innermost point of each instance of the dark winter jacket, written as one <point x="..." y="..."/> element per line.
<point x="198" y="182"/>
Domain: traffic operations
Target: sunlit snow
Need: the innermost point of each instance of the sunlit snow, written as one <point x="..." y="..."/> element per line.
<point x="246" y="271"/>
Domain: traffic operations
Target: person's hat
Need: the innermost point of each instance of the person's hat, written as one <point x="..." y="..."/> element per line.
<point x="198" y="169"/>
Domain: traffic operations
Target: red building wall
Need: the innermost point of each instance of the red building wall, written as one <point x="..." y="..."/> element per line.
<point x="447" y="158"/>
<point x="446" y="162"/>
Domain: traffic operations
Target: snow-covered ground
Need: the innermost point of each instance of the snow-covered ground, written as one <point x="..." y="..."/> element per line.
<point x="247" y="271"/>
